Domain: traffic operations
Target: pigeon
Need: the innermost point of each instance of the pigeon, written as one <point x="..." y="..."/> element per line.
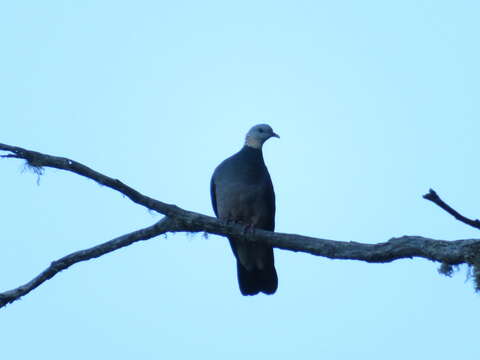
<point x="242" y="192"/>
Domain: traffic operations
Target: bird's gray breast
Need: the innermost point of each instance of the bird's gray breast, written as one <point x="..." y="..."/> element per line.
<point x="243" y="197"/>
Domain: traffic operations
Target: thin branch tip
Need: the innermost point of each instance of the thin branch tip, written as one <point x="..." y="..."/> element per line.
<point x="435" y="198"/>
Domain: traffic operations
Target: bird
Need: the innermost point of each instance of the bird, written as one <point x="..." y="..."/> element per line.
<point x="242" y="192"/>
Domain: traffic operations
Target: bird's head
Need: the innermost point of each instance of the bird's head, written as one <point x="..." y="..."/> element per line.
<point x="258" y="134"/>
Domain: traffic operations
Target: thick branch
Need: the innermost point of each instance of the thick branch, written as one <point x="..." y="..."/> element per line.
<point x="161" y="227"/>
<point x="446" y="252"/>
<point x="433" y="197"/>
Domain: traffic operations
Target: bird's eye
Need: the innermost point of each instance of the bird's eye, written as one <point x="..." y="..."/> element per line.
<point x="260" y="130"/>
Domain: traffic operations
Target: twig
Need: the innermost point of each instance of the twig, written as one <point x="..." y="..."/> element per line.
<point x="433" y="197"/>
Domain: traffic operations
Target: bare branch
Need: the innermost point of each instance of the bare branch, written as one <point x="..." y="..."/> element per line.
<point x="178" y="220"/>
<point x="161" y="227"/>
<point x="433" y="197"/>
<point x="39" y="160"/>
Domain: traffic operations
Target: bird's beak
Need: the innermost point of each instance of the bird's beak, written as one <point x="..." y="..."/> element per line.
<point x="275" y="135"/>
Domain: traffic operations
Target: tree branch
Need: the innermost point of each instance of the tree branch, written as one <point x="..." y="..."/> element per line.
<point x="163" y="226"/>
<point x="38" y="160"/>
<point x="433" y="197"/>
<point x="178" y="220"/>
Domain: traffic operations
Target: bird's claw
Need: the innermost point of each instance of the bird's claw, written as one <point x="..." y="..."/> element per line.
<point x="249" y="231"/>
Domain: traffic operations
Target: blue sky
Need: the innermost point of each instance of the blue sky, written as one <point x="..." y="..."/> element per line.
<point x="375" y="103"/>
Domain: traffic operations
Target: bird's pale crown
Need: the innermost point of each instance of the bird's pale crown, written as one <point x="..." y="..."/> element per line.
<point x="258" y="134"/>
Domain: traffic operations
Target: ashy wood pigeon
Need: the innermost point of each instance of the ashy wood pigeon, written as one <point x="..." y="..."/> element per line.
<point x="242" y="192"/>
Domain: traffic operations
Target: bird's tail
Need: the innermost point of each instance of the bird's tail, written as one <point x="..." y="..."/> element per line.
<point x="257" y="280"/>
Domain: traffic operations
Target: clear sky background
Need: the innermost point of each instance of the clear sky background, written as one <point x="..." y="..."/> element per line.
<point x="375" y="102"/>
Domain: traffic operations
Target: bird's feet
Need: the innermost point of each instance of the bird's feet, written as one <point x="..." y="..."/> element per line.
<point x="249" y="231"/>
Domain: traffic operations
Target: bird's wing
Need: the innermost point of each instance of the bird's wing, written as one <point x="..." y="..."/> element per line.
<point x="213" y="196"/>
